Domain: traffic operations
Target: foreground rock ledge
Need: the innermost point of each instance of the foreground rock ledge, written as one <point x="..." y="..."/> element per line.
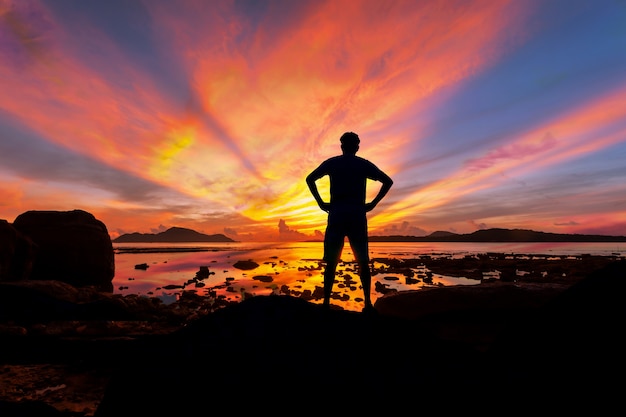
<point x="508" y="341"/>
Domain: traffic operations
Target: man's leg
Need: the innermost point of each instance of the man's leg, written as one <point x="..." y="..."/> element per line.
<point x="360" y="247"/>
<point x="329" y="280"/>
<point x="360" y="250"/>
<point x="333" y="246"/>
<point x="366" y="282"/>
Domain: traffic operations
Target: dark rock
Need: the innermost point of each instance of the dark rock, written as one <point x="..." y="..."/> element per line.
<point x="488" y="297"/>
<point x="71" y="246"/>
<point x="574" y="342"/>
<point x="484" y="345"/>
<point x="16" y="254"/>
<point x="31" y="408"/>
<point x="279" y="351"/>
<point x="45" y="300"/>
<point x="173" y="287"/>
<point x="263" y="278"/>
<point x="381" y="288"/>
<point x="246" y="265"/>
<point x="525" y="344"/>
<point x="203" y="273"/>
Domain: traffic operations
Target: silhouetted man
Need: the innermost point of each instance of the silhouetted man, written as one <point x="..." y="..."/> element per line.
<point x="347" y="210"/>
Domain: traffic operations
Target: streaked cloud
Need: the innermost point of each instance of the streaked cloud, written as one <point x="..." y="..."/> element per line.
<point x="210" y="114"/>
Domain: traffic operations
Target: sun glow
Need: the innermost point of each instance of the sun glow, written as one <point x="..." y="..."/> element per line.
<point x="211" y="117"/>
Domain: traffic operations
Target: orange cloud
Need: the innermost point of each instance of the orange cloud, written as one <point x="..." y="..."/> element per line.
<point x="266" y="102"/>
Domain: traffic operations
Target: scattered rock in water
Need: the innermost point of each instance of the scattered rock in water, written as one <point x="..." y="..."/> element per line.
<point x="173" y="287"/>
<point x="245" y="265"/>
<point x="383" y="288"/>
<point x="263" y="278"/>
<point x="143" y="266"/>
<point x="203" y="272"/>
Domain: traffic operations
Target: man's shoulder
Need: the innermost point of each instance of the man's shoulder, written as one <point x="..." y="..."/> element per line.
<point x="363" y="159"/>
<point x="333" y="160"/>
<point x="348" y="161"/>
<point x="365" y="162"/>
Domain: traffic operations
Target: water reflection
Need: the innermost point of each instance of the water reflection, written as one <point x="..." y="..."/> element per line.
<point x="291" y="268"/>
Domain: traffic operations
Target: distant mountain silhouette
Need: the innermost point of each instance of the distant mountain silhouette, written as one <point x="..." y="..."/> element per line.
<point x="173" y="234"/>
<point x="499" y="235"/>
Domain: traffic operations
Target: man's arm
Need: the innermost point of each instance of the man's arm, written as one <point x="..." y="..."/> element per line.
<point x="311" y="182"/>
<point x="387" y="182"/>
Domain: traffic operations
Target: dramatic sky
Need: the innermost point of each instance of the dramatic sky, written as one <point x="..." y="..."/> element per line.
<point x="210" y="114"/>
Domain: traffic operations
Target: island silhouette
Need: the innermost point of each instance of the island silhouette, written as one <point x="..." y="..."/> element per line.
<point x="500" y="235"/>
<point x="181" y="234"/>
<point x="173" y="234"/>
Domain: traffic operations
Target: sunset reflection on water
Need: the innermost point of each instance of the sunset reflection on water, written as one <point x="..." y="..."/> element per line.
<point x="295" y="268"/>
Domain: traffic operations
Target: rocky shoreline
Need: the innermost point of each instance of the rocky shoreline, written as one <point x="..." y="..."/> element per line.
<point x="550" y="336"/>
<point x="79" y="361"/>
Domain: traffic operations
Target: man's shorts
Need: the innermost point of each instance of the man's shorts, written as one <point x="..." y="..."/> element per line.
<point x="352" y="225"/>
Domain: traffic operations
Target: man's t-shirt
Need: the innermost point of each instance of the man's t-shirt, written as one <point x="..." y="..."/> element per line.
<point x="348" y="180"/>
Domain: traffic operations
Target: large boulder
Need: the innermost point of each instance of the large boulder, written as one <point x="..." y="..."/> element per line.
<point x="71" y="246"/>
<point x="16" y="254"/>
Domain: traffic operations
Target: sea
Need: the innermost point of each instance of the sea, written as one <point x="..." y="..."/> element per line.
<point x="165" y="270"/>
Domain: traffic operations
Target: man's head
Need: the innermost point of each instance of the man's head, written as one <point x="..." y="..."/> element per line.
<point x="349" y="142"/>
